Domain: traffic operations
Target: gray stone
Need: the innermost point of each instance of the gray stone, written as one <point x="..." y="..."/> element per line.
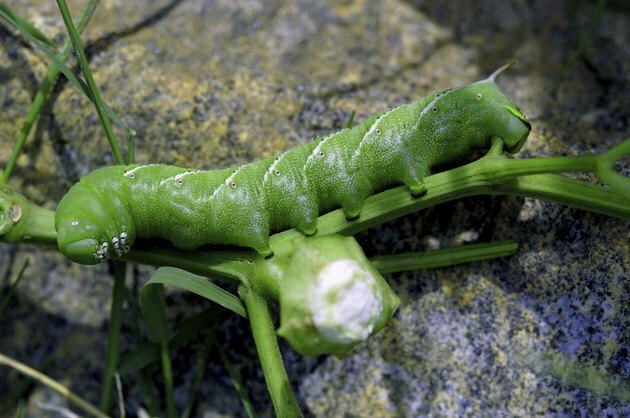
<point x="212" y="84"/>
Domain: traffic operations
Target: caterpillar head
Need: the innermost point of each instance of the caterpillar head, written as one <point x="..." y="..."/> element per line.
<point x="76" y="240"/>
<point x="87" y="231"/>
<point x="505" y="118"/>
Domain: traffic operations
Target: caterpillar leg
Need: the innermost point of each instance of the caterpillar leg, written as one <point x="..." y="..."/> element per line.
<point x="352" y="209"/>
<point x="265" y="252"/>
<point x="417" y="187"/>
<point x="308" y="225"/>
<point x="258" y="240"/>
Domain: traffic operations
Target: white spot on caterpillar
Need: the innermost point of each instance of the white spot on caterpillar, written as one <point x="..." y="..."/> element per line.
<point x="317" y="151"/>
<point x="371" y="130"/>
<point x="178" y="178"/>
<point x="432" y="105"/>
<point x="131" y="173"/>
<point x="478" y="96"/>
<point x="228" y="182"/>
<point x="272" y="168"/>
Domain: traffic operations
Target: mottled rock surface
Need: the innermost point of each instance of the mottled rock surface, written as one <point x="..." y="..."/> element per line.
<point x="215" y="83"/>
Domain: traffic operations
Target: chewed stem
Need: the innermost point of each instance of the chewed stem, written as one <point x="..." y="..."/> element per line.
<point x="501" y="69"/>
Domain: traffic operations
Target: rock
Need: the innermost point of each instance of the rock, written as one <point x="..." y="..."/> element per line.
<point x="216" y="83"/>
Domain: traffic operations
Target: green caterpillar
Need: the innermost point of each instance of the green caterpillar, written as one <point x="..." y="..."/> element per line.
<point x="108" y="209"/>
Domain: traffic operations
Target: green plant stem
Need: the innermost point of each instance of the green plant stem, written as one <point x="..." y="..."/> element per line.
<point x="489" y="175"/>
<point x="443" y="257"/>
<point x="7" y="298"/>
<point x="146" y="383"/>
<point x="200" y="368"/>
<point x="121" y="399"/>
<point x="586" y="39"/>
<point x="263" y="329"/>
<point x="153" y="304"/>
<point x="43" y="91"/>
<point x="560" y="189"/>
<point x="236" y="381"/>
<point x="21" y="390"/>
<point x="167" y="373"/>
<point x="24" y="221"/>
<point x="148" y="352"/>
<point x="96" y="97"/>
<point x="52" y="384"/>
<point x="113" y="336"/>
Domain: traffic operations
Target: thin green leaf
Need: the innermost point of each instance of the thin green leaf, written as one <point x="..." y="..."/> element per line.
<point x="7" y="297"/>
<point x="131" y="150"/>
<point x="200" y="369"/>
<point x="154" y="312"/>
<point x="24" y="26"/>
<point x="167" y="373"/>
<point x="19" y="412"/>
<point x="20" y="390"/>
<point x="52" y="384"/>
<point x="350" y="121"/>
<point x="77" y="82"/>
<point x="89" y="79"/>
<point x="74" y="80"/>
<point x="113" y="336"/>
<point x="121" y="398"/>
<point x="443" y="257"/>
<point x="199" y="285"/>
<point x="237" y="382"/>
<point x="147" y="385"/>
<point x="147" y="352"/>
<point x="43" y="91"/>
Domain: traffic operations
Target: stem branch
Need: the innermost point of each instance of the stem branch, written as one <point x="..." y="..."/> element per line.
<point x="271" y="361"/>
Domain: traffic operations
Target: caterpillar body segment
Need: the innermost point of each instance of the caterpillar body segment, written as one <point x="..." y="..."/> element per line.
<point x="103" y="214"/>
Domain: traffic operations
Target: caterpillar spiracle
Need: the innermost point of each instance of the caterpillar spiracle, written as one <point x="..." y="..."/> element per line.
<point x="104" y="213"/>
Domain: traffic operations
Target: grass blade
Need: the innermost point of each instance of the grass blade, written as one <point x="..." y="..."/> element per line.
<point x="77" y="82"/>
<point x="24" y="25"/>
<point x="94" y="93"/>
<point x="443" y="257"/>
<point x="154" y="310"/>
<point x="52" y="384"/>
<point x="148" y="352"/>
<point x="42" y="92"/>
<point x="199" y="285"/>
<point x="236" y="381"/>
<point x="147" y="386"/>
<point x="7" y="297"/>
<point x="113" y="336"/>
<point x="200" y="368"/>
